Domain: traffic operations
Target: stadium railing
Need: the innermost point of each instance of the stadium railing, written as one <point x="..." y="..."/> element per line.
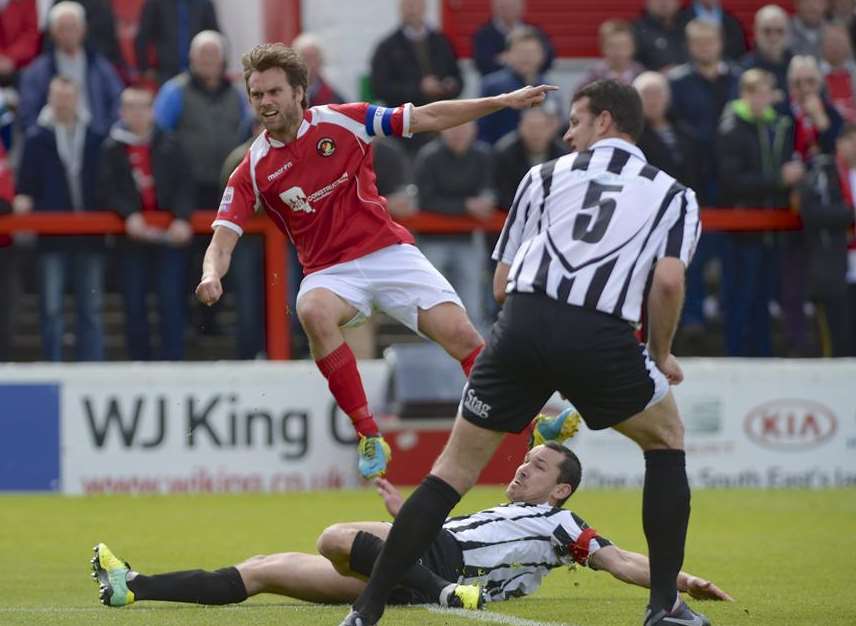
<point x="276" y="259"/>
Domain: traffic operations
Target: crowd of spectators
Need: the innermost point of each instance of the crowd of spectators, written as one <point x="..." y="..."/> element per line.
<point x="769" y="125"/>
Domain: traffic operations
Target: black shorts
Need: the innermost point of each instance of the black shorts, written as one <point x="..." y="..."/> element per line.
<point x="539" y="346"/>
<point x="444" y="558"/>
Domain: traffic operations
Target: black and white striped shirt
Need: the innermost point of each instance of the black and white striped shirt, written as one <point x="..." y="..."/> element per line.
<point x="508" y="549"/>
<point x="587" y="228"/>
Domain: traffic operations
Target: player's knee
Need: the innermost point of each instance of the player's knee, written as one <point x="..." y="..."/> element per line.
<point x="665" y="435"/>
<point x="316" y="318"/>
<point x="464" y="336"/>
<point x="335" y="542"/>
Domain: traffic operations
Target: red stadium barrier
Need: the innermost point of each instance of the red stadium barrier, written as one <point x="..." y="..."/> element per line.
<point x="276" y="260"/>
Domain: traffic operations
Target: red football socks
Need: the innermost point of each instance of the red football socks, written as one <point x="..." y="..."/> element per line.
<point x="468" y="361"/>
<point x="343" y="378"/>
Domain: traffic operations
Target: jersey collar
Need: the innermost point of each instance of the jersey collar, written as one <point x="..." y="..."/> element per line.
<point x="615" y="142"/>
<point x="304" y="127"/>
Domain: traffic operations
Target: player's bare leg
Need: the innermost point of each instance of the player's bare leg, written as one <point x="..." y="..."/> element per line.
<point x="308" y="577"/>
<point x="336" y="542"/>
<point x="322" y="313"/>
<point x="467" y="451"/>
<point x="448" y="325"/>
<point x="658" y="430"/>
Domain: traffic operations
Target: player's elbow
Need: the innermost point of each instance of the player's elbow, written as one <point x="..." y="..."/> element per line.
<point x="499" y="294"/>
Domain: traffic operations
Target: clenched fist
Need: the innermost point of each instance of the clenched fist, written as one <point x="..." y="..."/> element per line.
<point x="209" y="290"/>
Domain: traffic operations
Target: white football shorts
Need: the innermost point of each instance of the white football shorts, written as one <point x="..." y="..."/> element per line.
<point x="397" y="280"/>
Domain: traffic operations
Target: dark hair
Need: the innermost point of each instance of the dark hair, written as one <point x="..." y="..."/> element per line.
<point x="613" y="27"/>
<point x="619" y="99"/>
<point x="267" y="56"/>
<point x="570" y="469"/>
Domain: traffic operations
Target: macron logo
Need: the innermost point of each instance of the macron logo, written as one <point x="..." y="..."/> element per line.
<point x="282" y="170"/>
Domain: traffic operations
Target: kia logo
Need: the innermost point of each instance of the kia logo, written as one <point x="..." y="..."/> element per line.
<point x="790" y="424"/>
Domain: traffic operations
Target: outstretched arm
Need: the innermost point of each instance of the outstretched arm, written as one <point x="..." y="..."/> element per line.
<point x="633" y="568"/>
<point x="449" y="113"/>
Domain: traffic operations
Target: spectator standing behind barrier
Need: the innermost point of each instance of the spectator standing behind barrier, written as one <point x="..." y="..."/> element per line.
<point x="99" y="82"/>
<point x="756" y="169"/>
<point x="617" y="48"/>
<point x="57" y="173"/>
<point x="19" y="38"/>
<point x="167" y="27"/>
<point x="660" y="35"/>
<point x="489" y="41"/>
<point x="523" y="60"/>
<point x="101" y="32"/>
<point x="711" y="11"/>
<point x="771" y="52"/>
<point x="208" y="115"/>
<point x="534" y="142"/>
<point x="142" y="172"/>
<point x="8" y="262"/>
<point x="415" y="63"/>
<point x="320" y="92"/>
<point x="816" y="126"/>
<point x="454" y="175"/>
<point x="839" y="70"/>
<point x="700" y="90"/>
<point x="807" y="27"/>
<point x="846" y="157"/>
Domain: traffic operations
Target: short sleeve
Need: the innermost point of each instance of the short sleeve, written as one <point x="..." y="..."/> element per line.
<point x="574" y="541"/>
<point x="684" y="230"/>
<point x="378" y="121"/>
<point x="518" y="227"/>
<point x="239" y="199"/>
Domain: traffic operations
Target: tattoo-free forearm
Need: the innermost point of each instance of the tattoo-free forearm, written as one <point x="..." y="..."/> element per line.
<point x="449" y="113"/>
<point x="216" y="261"/>
<point x="664" y="312"/>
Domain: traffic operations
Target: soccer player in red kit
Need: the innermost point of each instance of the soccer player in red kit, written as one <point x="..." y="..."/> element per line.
<point x="311" y="170"/>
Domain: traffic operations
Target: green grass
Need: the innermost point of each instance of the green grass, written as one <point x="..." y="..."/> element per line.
<point x="788" y="557"/>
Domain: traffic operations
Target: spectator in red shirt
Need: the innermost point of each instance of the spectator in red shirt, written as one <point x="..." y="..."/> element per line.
<point x="320" y="91"/>
<point x="142" y="171"/>
<point x="19" y="37"/>
<point x="8" y="273"/>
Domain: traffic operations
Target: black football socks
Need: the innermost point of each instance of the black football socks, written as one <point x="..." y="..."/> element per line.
<point x="367" y="547"/>
<point x="223" y="586"/>
<point x="665" y="517"/>
<point x="416" y="525"/>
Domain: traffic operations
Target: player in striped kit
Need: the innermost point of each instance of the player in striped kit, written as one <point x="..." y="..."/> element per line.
<point x="311" y="171"/>
<point x="496" y="554"/>
<point x="592" y="238"/>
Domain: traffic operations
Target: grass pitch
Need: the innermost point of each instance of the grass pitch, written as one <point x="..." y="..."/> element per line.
<point x="788" y="557"/>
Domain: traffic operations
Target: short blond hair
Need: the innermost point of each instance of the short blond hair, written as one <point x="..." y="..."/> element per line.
<point x="754" y="79"/>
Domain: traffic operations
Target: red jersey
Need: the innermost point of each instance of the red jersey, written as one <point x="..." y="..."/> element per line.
<point x="140" y="158"/>
<point x="320" y="189"/>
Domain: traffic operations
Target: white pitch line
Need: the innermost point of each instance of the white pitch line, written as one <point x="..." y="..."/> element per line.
<point x="492" y="618"/>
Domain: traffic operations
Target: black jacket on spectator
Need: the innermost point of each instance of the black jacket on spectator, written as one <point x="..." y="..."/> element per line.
<point x="733" y="37"/>
<point x="396" y="71"/>
<point x="512" y="162"/>
<point x="101" y="30"/>
<point x="445" y="179"/>
<point x="117" y="189"/>
<point x="489" y="41"/>
<point x="680" y="160"/>
<point x="159" y="28"/>
<point x="750" y="176"/>
<point x="697" y="103"/>
<point x="754" y="60"/>
<point x="657" y="45"/>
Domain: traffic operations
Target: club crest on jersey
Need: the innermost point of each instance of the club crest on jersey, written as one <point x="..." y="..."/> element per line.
<point x="296" y="200"/>
<point x="325" y="146"/>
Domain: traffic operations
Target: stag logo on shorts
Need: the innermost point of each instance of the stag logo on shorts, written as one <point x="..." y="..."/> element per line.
<point x="326" y="147"/>
<point x="296" y="200"/>
<point x="473" y="404"/>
